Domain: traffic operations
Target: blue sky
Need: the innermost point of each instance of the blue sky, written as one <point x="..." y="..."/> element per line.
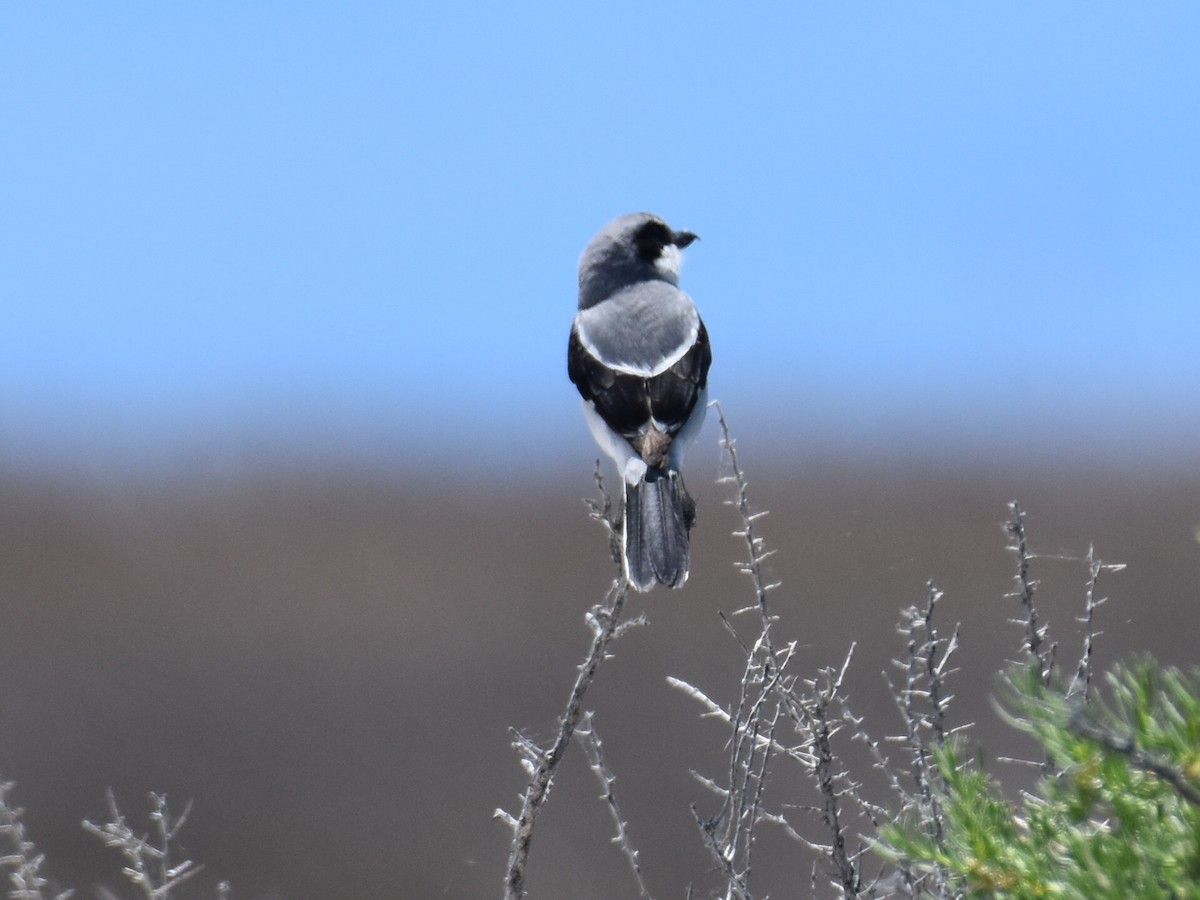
<point x="355" y="226"/>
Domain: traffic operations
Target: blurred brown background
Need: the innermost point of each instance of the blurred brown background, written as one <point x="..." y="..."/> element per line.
<point x="327" y="657"/>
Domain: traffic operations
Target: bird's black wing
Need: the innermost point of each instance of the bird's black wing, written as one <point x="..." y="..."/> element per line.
<point x="627" y="402"/>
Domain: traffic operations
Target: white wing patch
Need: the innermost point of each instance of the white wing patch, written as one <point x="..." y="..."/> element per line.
<point x="641" y="370"/>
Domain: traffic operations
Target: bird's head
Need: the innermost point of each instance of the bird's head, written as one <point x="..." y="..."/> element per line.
<point x="633" y="248"/>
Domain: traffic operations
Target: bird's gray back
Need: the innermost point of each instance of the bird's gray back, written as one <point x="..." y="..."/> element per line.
<point x="642" y="329"/>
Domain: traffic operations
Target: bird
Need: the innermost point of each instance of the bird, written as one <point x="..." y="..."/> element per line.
<point x="639" y="355"/>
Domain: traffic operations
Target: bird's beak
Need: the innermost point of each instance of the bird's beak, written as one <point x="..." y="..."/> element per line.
<point x="682" y="238"/>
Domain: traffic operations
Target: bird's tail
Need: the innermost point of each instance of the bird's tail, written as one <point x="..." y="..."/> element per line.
<point x="658" y="515"/>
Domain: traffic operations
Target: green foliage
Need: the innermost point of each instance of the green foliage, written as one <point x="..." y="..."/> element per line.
<point x="1115" y="814"/>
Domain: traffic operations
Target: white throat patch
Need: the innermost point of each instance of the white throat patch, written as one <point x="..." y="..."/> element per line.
<point x="670" y="262"/>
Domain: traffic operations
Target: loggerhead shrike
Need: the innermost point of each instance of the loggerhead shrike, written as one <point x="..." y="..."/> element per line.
<point x="639" y="355"/>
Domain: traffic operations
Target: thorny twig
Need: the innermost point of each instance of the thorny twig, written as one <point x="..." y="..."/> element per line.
<point x="827" y="777"/>
<point x="729" y="834"/>
<point x="1082" y="682"/>
<point x="922" y="702"/>
<point x="601" y="510"/>
<point x="586" y="734"/>
<point x="542" y="764"/>
<point x="23" y="861"/>
<point x="756" y="551"/>
<point x="769" y="695"/>
<point x="1035" y="633"/>
<point x="148" y="865"/>
<point x="923" y="705"/>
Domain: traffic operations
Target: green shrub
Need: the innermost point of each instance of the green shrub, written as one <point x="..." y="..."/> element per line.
<point x="1116" y="812"/>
